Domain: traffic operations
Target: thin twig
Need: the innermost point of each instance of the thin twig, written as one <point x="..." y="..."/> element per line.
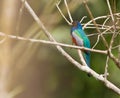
<point x="119" y="54"/>
<point x="96" y="34"/>
<point x="97" y="18"/>
<point x="116" y="61"/>
<point x="57" y="5"/>
<point x="51" y="43"/>
<point x="105" y="22"/>
<point x="68" y="11"/>
<point x="106" y="68"/>
<point x="19" y="17"/>
<point x="113" y="20"/>
<point x="83" y="18"/>
<point x="99" y="37"/>
<point x="108" y="3"/>
<point x="81" y="57"/>
<point x="90" y="13"/>
<point x="113" y="38"/>
<point x="116" y="47"/>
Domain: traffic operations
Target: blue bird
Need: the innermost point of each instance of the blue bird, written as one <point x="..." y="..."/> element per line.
<point x="79" y="38"/>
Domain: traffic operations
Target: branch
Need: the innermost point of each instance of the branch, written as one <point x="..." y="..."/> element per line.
<point x="68" y="11"/>
<point x="57" y="5"/>
<point x="106" y="68"/>
<point x="83" y="18"/>
<point x="113" y="38"/>
<point x="105" y="21"/>
<point x="99" y="36"/>
<point x="108" y="3"/>
<point x="50" y="43"/>
<point x="97" y="18"/>
<point x="20" y="17"/>
<point x="91" y="16"/>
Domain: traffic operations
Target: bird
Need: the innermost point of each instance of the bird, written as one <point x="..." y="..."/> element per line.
<point x="80" y="38"/>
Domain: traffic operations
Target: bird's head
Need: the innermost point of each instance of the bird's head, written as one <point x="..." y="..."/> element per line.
<point x="76" y="24"/>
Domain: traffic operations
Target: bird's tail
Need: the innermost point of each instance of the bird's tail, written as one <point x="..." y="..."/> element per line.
<point x="87" y="58"/>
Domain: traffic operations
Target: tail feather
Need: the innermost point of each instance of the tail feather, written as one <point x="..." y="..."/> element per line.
<point x="87" y="58"/>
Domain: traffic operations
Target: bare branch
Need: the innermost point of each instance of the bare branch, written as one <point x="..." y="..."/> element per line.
<point x="99" y="36"/>
<point x="106" y="68"/>
<point x="105" y="21"/>
<point x="97" y="18"/>
<point x="113" y="38"/>
<point x="19" y="17"/>
<point x="108" y="3"/>
<point x="116" y="61"/>
<point x="119" y="55"/>
<point x="57" y="5"/>
<point x="116" y="47"/>
<point x="83" y="18"/>
<point x="91" y="16"/>
<point x="68" y="11"/>
<point x="51" y="43"/>
<point x="81" y="57"/>
<point x="98" y="39"/>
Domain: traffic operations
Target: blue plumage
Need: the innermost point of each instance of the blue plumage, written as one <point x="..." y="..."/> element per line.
<point x="80" y="38"/>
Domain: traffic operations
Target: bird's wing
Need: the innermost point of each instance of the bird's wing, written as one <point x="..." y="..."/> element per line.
<point x="76" y="35"/>
<point x="86" y="42"/>
<point x="85" y="38"/>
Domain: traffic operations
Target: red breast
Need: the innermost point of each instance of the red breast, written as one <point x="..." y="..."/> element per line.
<point x="74" y="41"/>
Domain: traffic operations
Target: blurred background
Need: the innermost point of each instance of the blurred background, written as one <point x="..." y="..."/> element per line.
<point x="35" y="70"/>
